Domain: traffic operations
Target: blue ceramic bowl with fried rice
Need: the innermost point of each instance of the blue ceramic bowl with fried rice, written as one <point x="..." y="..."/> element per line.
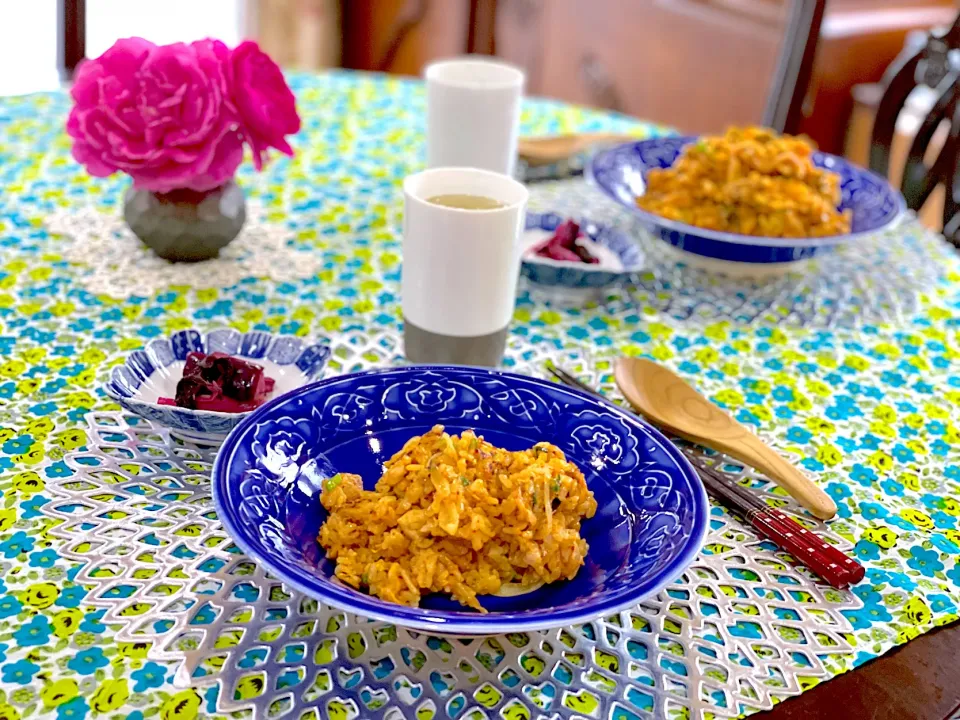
<point x="648" y="527"/>
<point x="620" y="173"/>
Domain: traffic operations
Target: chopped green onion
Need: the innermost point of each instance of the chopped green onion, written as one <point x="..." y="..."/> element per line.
<point x="331" y="483"/>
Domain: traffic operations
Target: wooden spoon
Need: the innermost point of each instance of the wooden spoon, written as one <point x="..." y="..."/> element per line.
<point x="669" y="402"/>
<point x="551" y="149"/>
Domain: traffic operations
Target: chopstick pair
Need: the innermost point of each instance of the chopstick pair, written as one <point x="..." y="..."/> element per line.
<point x="831" y="564"/>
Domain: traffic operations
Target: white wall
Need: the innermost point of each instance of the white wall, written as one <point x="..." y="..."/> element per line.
<point x="28" y="32"/>
<point x="28" y="46"/>
<point x="162" y="21"/>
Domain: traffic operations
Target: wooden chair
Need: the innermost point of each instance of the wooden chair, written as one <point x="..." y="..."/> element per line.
<point x="71" y="36"/>
<point x="791" y="80"/>
<point x="934" y="62"/>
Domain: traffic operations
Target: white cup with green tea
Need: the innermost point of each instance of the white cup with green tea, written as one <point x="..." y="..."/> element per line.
<point x="461" y="261"/>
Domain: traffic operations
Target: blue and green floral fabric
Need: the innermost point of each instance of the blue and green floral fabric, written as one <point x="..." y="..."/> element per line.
<point x="873" y="413"/>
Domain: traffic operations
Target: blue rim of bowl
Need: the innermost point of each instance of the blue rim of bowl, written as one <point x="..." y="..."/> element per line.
<point x="734" y="238"/>
<point x="365" y="605"/>
<point x="602" y="234"/>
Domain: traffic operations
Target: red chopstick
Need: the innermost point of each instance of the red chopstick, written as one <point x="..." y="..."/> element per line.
<point x="831" y="564"/>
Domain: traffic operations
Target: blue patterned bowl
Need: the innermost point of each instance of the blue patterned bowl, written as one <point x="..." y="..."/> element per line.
<point x="154" y="372"/>
<point x="621" y="173"/>
<point x="619" y="256"/>
<point x="649" y="525"/>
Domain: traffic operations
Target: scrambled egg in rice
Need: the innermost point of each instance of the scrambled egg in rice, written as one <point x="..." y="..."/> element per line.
<point x="458" y="515"/>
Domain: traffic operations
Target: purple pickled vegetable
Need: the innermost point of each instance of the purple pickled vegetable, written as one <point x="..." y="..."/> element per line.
<point x="563" y="246"/>
<point x="558" y="252"/>
<point x="220" y="382"/>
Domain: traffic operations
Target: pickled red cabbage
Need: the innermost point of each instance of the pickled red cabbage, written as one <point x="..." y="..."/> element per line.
<point x="222" y="383"/>
<point x="563" y="245"/>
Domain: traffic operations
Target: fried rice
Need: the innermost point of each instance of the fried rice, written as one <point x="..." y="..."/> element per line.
<point x="749" y="181"/>
<point x="455" y="514"/>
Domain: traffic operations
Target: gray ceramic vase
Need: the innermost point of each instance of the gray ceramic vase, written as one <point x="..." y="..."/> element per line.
<point x="186" y="225"/>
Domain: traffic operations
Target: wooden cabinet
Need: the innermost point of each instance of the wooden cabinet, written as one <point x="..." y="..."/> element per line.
<point x="700" y="65"/>
<point x="401" y="36"/>
<point x="686" y="63"/>
<point x="680" y="62"/>
<point x="696" y="65"/>
<point x="302" y="34"/>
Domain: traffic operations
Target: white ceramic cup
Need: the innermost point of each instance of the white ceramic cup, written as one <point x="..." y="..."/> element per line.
<point x="460" y="267"/>
<point x="473" y="114"/>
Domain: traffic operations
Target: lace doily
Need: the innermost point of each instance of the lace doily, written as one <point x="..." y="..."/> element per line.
<point x="113" y="261"/>
<point x="740" y="630"/>
<point x="879" y="279"/>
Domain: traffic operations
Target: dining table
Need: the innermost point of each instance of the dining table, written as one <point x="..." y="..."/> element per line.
<point x="122" y="596"/>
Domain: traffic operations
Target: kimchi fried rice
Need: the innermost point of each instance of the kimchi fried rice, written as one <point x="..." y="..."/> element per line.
<point x="455" y="514"/>
<point x="750" y="181"/>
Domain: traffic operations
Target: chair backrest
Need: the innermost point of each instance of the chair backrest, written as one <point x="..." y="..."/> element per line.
<point x="71" y="36"/>
<point x="791" y="79"/>
<point x="932" y="61"/>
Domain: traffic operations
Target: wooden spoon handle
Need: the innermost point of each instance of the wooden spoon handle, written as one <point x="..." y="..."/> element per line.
<point x="595" y="138"/>
<point x="539" y="150"/>
<point x="587" y="138"/>
<point x="751" y="450"/>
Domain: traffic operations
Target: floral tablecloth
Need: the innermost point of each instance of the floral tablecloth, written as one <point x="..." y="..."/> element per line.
<point x="121" y="597"/>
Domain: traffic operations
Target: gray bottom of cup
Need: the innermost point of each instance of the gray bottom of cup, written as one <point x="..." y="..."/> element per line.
<point x="423" y="346"/>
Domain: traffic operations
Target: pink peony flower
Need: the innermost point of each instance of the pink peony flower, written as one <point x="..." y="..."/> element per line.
<point x="266" y="104"/>
<point x="161" y="114"/>
<point x="176" y="116"/>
